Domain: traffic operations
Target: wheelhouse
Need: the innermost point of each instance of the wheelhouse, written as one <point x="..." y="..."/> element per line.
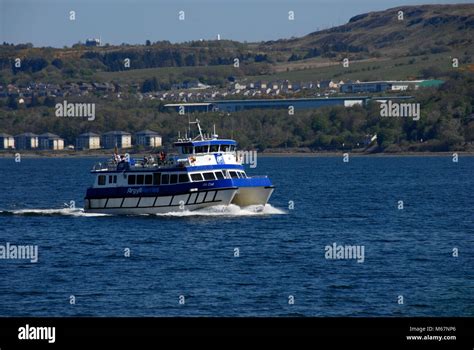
<point x="189" y="148"/>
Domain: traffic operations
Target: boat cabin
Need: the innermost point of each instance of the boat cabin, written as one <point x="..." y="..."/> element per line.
<point x="189" y="148"/>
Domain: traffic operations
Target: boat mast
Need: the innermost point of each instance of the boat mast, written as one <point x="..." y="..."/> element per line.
<point x="189" y="126"/>
<point x="199" y="128"/>
<point x="214" y="135"/>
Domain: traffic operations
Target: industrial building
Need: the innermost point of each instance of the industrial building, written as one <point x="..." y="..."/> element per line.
<point x="239" y="105"/>
<point x="297" y="104"/>
<point x="389" y="85"/>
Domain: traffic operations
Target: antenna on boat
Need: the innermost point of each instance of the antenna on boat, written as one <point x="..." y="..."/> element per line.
<point x="189" y="125"/>
<point x="199" y="128"/>
<point x="232" y="126"/>
<point x="214" y="135"/>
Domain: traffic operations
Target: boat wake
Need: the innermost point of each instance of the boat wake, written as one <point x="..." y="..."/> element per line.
<point x="219" y="210"/>
<point x="51" y="212"/>
<point x="229" y="210"/>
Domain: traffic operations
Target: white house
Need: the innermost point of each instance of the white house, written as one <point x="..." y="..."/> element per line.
<point x="238" y="86"/>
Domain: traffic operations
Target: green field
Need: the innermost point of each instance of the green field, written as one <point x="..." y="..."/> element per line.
<point x="383" y="69"/>
<point x="166" y="74"/>
<point x="388" y="69"/>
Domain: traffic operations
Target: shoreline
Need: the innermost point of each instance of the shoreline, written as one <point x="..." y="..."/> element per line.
<point x="75" y="154"/>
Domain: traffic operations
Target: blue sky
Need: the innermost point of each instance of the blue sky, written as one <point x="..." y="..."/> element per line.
<point x="46" y="22"/>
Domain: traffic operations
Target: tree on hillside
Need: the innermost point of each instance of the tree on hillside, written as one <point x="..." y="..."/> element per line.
<point x="150" y="85"/>
<point x="57" y="63"/>
<point x="12" y="102"/>
<point x="49" y="101"/>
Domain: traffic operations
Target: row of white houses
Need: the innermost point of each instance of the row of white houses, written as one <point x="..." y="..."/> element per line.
<point x="89" y="140"/>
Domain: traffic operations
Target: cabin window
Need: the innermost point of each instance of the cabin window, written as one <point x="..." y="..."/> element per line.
<point x="183" y="178"/>
<point x="165" y="179"/>
<point x="243" y="175"/>
<point x="225" y="148"/>
<point x="209" y="176"/>
<point x="233" y="175"/>
<point x="131" y="179"/>
<point x="187" y="149"/>
<point x="231" y="148"/>
<point x="115" y="179"/>
<point x="101" y="180"/>
<point x="173" y="178"/>
<point x="214" y="148"/>
<point x="140" y="179"/>
<point x="148" y="179"/>
<point x="111" y="179"/>
<point x="196" y="177"/>
<point x="201" y="149"/>
<point x="156" y="179"/>
<point x="219" y="175"/>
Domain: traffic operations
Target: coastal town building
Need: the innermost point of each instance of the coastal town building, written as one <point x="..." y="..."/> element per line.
<point x="50" y="141"/>
<point x="26" y="140"/>
<point x="88" y="140"/>
<point x="121" y="139"/>
<point x="148" y="138"/>
<point x="6" y="141"/>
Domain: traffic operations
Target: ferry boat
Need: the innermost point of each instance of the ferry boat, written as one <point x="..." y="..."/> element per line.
<point x="206" y="172"/>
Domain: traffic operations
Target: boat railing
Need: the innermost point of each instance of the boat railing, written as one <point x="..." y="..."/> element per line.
<point x="104" y="166"/>
<point x="139" y="163"/>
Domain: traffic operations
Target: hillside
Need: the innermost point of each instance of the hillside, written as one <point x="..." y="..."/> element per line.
<point x="424" y="29"/>
<point x="443" y="30"/>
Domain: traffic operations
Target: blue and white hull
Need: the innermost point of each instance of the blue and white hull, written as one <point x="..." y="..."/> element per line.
<point x="152" y="204"/>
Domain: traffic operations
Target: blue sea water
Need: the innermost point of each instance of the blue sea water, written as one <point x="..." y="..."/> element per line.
<point x="407" y="252"/>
